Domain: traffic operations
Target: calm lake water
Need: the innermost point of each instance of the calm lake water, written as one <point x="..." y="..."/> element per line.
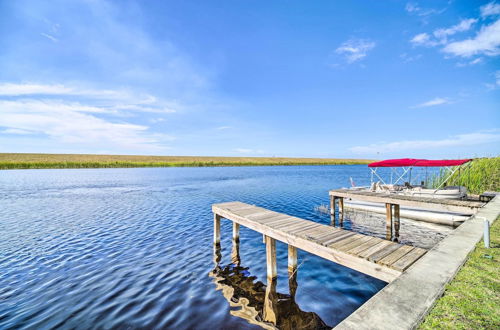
<point x="132" y="248"/>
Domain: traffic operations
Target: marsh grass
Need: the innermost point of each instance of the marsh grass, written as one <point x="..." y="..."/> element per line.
<point x="472" y="299"/>
<point x="33" y="161"/>
<point x="481" y="175"/>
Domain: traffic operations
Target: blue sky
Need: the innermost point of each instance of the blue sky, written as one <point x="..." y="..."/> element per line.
<point x="356" y="79"/>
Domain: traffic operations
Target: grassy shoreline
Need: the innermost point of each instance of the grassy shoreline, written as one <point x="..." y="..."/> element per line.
<point x="40" y="161"/>
<point x="472" y="298"/>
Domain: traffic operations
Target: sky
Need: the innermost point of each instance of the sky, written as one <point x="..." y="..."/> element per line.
<point x="349" y="79"/>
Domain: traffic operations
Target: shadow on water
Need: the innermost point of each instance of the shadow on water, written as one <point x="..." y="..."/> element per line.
<point x="258" y="303"/>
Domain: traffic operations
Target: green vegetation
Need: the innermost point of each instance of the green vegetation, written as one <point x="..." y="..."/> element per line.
<point x="27" y="161"/>
<point x="472" y="299"/>
<point x="481" y="175"/>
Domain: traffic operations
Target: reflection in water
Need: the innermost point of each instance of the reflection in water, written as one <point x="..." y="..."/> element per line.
<point x="258" y="303"/>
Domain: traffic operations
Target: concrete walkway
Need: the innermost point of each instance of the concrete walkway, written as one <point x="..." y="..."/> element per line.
<point x="404" y="303"/>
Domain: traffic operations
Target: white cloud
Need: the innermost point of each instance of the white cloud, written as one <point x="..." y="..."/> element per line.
<point x="464" y="25"/>
<point x="220" y="128"/>
<point x="453" y="141"/>
<point x="440" y="36"/>
<point x="355" y="49"/>
<point x="114" y="100"/>
<point x="414" y="9"/>
<point x="486" y="42"/>
<point x="423" y="39"/>
<point x="496" y="84"/>
<point x="433" y="102"/>
<point x="16" y="131"/>
<point x="490" y="9"/>
<point x="48" y="36"/>
<point x="76" y="124"/>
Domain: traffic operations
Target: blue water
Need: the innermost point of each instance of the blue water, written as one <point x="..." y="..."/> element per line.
<point x="132" y="248"/>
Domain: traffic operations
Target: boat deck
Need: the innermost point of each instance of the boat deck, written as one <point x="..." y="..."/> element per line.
<point x="374" y="256"/>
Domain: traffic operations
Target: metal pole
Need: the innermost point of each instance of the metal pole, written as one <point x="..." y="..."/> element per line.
<point x="486" y="234"/>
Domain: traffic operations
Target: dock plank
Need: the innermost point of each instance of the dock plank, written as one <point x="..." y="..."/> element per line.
<point x="396" y="255"/>
<point x="370" y="255"/>
<point x="409" y="259"/>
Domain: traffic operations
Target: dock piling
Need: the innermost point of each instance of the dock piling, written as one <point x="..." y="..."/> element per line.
<point x="236" y="231"/>
<point x="217" y="229"/>
<point x="388" y="220"/>
<point x="272" y="269"/>
<point x="292" y="259"/>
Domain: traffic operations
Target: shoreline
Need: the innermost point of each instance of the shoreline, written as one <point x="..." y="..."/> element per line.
<point x="14" y="161"/>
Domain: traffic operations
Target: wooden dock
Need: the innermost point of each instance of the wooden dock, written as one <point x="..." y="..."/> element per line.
<point x="450" y="205"/>
<point x="394" y="201"/>
<point x="376" y="257"/>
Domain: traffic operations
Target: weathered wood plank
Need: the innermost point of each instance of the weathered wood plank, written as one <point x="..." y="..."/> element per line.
<point x="407" y="260"/>
<point x="375" y="257"/>
<point x="357" y="242"/>
<point x="368" y="244"/>
<point x="344" y="235"/>
<point x="379" y="246"/>
<point x="396" y="255"/>
<point x="346" y="241"/>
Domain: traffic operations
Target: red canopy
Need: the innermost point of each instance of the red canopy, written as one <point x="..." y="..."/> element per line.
<point x="418" y="162"/>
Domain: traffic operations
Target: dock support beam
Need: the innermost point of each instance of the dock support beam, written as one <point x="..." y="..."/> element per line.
<point x="396" y="222"/>
<point x="272" y="270"/>
<point x="292" y="259"/>
<point x="388" y="221"/>
<point x="217" y="229"/>
<point x="334" y="201"/>
<point x="236" y="231"/>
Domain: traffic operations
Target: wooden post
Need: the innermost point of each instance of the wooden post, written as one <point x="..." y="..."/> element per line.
<point x="216" y="228"/>
<point x="235" y="253"/>
<point x="334" y="208"/>
<point x="396" y="222"/>
<point x="332" y="205"/>
<point x="236" y="231"/>
<point x="388" y="220"/>
<point x="292" y="259"/>
<point x="271" y="302"/>
<point x="341" y="210"/>
<point x="272" y="270"/>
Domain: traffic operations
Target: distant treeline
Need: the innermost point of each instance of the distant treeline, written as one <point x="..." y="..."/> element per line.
<point x="483" y="174"/>
<point x="33" y="161"/>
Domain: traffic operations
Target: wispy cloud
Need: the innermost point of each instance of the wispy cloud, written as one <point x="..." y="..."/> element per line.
<point x="48" y="36"/>
<point x="113" y="100"/>
<point x="486" y="42"/>
<point x="496" y="84"/>
<point x="221" y="128"/>
<point x="453" y="141"/>
<point x="440" y="36"/>
<point x="76" y="124"/>
<point x="355" y="49"/>
<point x="490" y="9"/>
<point x="414" y="8"/>
<point x="433" y="102"/>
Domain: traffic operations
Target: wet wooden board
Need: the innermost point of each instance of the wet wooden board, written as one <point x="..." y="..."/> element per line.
<point x="451" y="205"/>
<point x="370" y="255"/>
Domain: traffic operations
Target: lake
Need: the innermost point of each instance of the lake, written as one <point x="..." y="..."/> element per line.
<point x="132" y="248"/>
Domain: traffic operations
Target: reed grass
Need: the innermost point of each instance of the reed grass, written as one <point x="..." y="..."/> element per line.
<point x="483" y="174"/>
<point x="34" y="161"/>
